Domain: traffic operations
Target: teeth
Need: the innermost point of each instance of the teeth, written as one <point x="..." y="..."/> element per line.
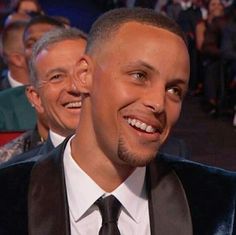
<point x="141" y="125"/>
<point x="76" y="104"/>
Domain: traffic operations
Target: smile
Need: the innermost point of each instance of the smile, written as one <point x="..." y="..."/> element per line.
<point x="141" y="125"/>
<point x="73" y="105"/>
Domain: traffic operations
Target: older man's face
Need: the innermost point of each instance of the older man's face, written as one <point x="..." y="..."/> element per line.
<point x="58" y="95"/>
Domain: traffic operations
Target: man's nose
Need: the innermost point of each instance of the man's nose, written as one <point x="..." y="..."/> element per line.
<point x="71" y="85"/>
<point x="154" y="99"/>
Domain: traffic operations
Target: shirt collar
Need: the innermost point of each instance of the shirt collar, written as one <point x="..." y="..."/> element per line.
<point x="12" y="81"/>
<point x="56" y="138"/>
<point x="131" y="193"/>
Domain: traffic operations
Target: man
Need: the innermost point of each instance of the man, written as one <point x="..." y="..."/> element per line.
<point x="13" y="55"/>
<point x="16" y="113"/>
<point x="132" y="87"/>
<point x="53" y="92"/>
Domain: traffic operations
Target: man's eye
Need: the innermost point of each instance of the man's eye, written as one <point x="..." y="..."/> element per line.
<point x="56" y="78"/>
<point x="176" y="91"/>
<point x="141" y="76"/>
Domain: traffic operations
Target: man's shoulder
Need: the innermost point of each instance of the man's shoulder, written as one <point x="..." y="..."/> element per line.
<point x="183" y="163"/>
<point x="194" y="172"/>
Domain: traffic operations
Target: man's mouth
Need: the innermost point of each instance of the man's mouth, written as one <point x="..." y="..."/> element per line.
<point x="73" y="105"/>
<point x="141" y="126"/>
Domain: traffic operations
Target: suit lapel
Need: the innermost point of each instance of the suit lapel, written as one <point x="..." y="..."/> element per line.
<point x="47" y="202"/>
<point x="168" y="206"/>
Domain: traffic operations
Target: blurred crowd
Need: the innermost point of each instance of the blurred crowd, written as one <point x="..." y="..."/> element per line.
<point x="210" y="29"/>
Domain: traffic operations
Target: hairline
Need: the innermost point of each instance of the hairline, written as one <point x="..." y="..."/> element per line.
<point x="93" y="48"/>
<point x="48" y="41"/>
<point x="108" y="24"/>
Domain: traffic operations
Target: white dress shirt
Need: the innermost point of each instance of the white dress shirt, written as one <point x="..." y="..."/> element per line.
<point x="82" y="192"/>
<point x="55" y="138"/>
<point x="12" y="81"/>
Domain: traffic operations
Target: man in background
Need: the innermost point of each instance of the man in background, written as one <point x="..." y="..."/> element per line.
<point x="52" y="90"/>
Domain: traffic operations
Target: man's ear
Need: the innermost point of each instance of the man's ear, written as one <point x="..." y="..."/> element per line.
<point x="83" y="74"/>
<point x="34" y="98"/>
<point x="17" y="59"/>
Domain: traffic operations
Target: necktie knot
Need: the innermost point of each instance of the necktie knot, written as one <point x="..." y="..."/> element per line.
<point x="109" y="208"/>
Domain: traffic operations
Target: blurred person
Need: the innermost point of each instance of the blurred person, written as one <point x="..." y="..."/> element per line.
<point x="228" y="50"/>
<point x="188" y="17"/>
<point x="13" y="55"/>
<point x="16" y="16"/>
<point x="16" y="112"/>
<point x="132" y="92"/>
<point x="30" y="7"/>
<point x="213" y="68"/>
<point x="35" y="29"/>
<point x="215" y="9"/>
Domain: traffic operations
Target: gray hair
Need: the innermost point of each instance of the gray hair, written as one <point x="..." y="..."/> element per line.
<point x="107" y="24"/>
<point x="48" y="39"/>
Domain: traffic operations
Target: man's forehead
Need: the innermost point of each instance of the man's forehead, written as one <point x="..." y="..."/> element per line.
<point x="39" y="27"/>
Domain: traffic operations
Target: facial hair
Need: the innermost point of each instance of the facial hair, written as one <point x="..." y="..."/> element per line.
<point x="132" y="158"/>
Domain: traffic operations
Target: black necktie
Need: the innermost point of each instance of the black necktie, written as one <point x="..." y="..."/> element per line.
<point x="109" y="208"/>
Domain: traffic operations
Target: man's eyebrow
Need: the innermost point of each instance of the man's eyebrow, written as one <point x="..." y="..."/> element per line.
<point x="141" y="63"/>
<point x="55" y="70"/>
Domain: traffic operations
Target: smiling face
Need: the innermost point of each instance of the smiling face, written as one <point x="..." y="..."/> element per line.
<point x="136" y="91"/>
<point x="57" y="95"/>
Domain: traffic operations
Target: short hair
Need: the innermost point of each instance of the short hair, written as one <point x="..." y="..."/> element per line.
<point x="12" y="38"/>
<point x="108" y="23"/>
<point x="16" y="4"/>
<point x="48" y="39"/>
<point x="42" y="19"/>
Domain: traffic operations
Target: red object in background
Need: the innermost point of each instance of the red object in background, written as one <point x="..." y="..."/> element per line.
<point x="6" y="136"/>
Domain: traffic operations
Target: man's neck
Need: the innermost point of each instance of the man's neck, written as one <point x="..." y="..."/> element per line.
<point x="107" y="174"/>
<point x="20" y="75"/>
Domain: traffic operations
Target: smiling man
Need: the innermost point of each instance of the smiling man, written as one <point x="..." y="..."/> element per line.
<point x="132" y="78"/>
<point x="52" y="67"/>
<point x="52" y="92"/>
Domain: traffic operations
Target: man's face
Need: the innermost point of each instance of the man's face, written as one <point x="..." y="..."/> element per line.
<point x="33" y="33"/>
<point x="57" y="93"/>
<point x="139" y="80"/>
<point x="27" y="7"/>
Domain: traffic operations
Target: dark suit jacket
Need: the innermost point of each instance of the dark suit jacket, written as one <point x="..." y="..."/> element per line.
<point x="16" y="112"/>
<point x="184" y="197"/>
<point x="4" y="83"/>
